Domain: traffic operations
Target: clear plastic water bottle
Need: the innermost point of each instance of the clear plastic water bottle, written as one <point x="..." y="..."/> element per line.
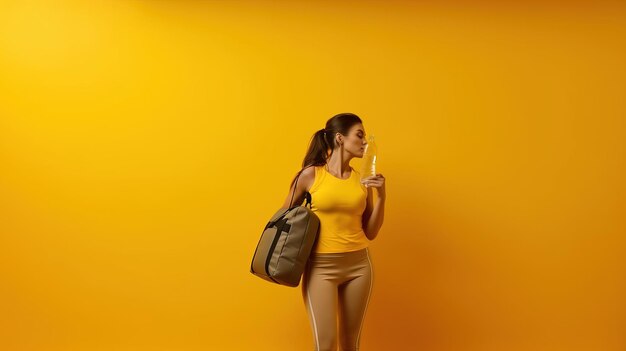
<point x="368" y="167"/>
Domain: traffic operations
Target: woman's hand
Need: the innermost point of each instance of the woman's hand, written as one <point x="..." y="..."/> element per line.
<point x="377" y="181"/>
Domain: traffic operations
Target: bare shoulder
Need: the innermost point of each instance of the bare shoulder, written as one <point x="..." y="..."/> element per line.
<point x="302" y="185"/>
<point x="308" y="177"/>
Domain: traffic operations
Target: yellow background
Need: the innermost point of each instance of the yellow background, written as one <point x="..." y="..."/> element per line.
<point x="144" y="145"/>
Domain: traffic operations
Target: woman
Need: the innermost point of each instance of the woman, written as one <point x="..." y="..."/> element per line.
<point x="338" y="277"/>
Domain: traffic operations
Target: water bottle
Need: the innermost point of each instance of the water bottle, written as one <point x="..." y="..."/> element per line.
<point x="368" y="167"/>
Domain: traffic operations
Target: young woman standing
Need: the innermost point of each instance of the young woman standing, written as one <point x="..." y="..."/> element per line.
<point x="338" y="277"/>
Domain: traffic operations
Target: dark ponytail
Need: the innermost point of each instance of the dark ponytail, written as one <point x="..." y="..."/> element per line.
<point x="323" y="141"/>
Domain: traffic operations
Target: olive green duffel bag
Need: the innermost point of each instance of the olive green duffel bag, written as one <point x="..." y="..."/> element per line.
<point x="286" y="244"/>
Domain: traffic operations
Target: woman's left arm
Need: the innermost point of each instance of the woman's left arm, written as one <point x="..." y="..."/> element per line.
<point x="375" y="219"/>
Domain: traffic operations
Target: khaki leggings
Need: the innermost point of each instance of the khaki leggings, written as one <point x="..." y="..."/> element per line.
<point x="336" y="288"/>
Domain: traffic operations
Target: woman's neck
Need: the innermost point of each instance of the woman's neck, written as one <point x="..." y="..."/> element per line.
<point x="338" y="164"/>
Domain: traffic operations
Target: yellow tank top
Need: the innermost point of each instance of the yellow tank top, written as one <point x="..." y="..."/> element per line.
<point x="339" y="204"/>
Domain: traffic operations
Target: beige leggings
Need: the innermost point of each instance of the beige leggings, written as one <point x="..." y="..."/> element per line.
<point x="336" y="288"/>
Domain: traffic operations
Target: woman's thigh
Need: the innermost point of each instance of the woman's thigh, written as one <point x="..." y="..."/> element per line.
<point x="320" y="298"/>
<point x="353" y="300"/>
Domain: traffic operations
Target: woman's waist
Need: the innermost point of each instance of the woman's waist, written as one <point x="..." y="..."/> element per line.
<point x="354" y="254"/>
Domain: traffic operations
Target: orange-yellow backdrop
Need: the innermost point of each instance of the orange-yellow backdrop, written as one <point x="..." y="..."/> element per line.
<point x="144" y="145"/>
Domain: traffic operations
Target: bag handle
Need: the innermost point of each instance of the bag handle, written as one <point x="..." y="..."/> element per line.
<point x="294" y="190"/>
<point x="307" y="195"/>
<point x="308" y="202"/>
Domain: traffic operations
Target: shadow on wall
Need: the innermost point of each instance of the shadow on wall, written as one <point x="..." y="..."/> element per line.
<point x="428" y="277"/>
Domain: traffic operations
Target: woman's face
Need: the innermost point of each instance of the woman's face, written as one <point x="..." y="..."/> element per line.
<point x="355" y="141"/>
